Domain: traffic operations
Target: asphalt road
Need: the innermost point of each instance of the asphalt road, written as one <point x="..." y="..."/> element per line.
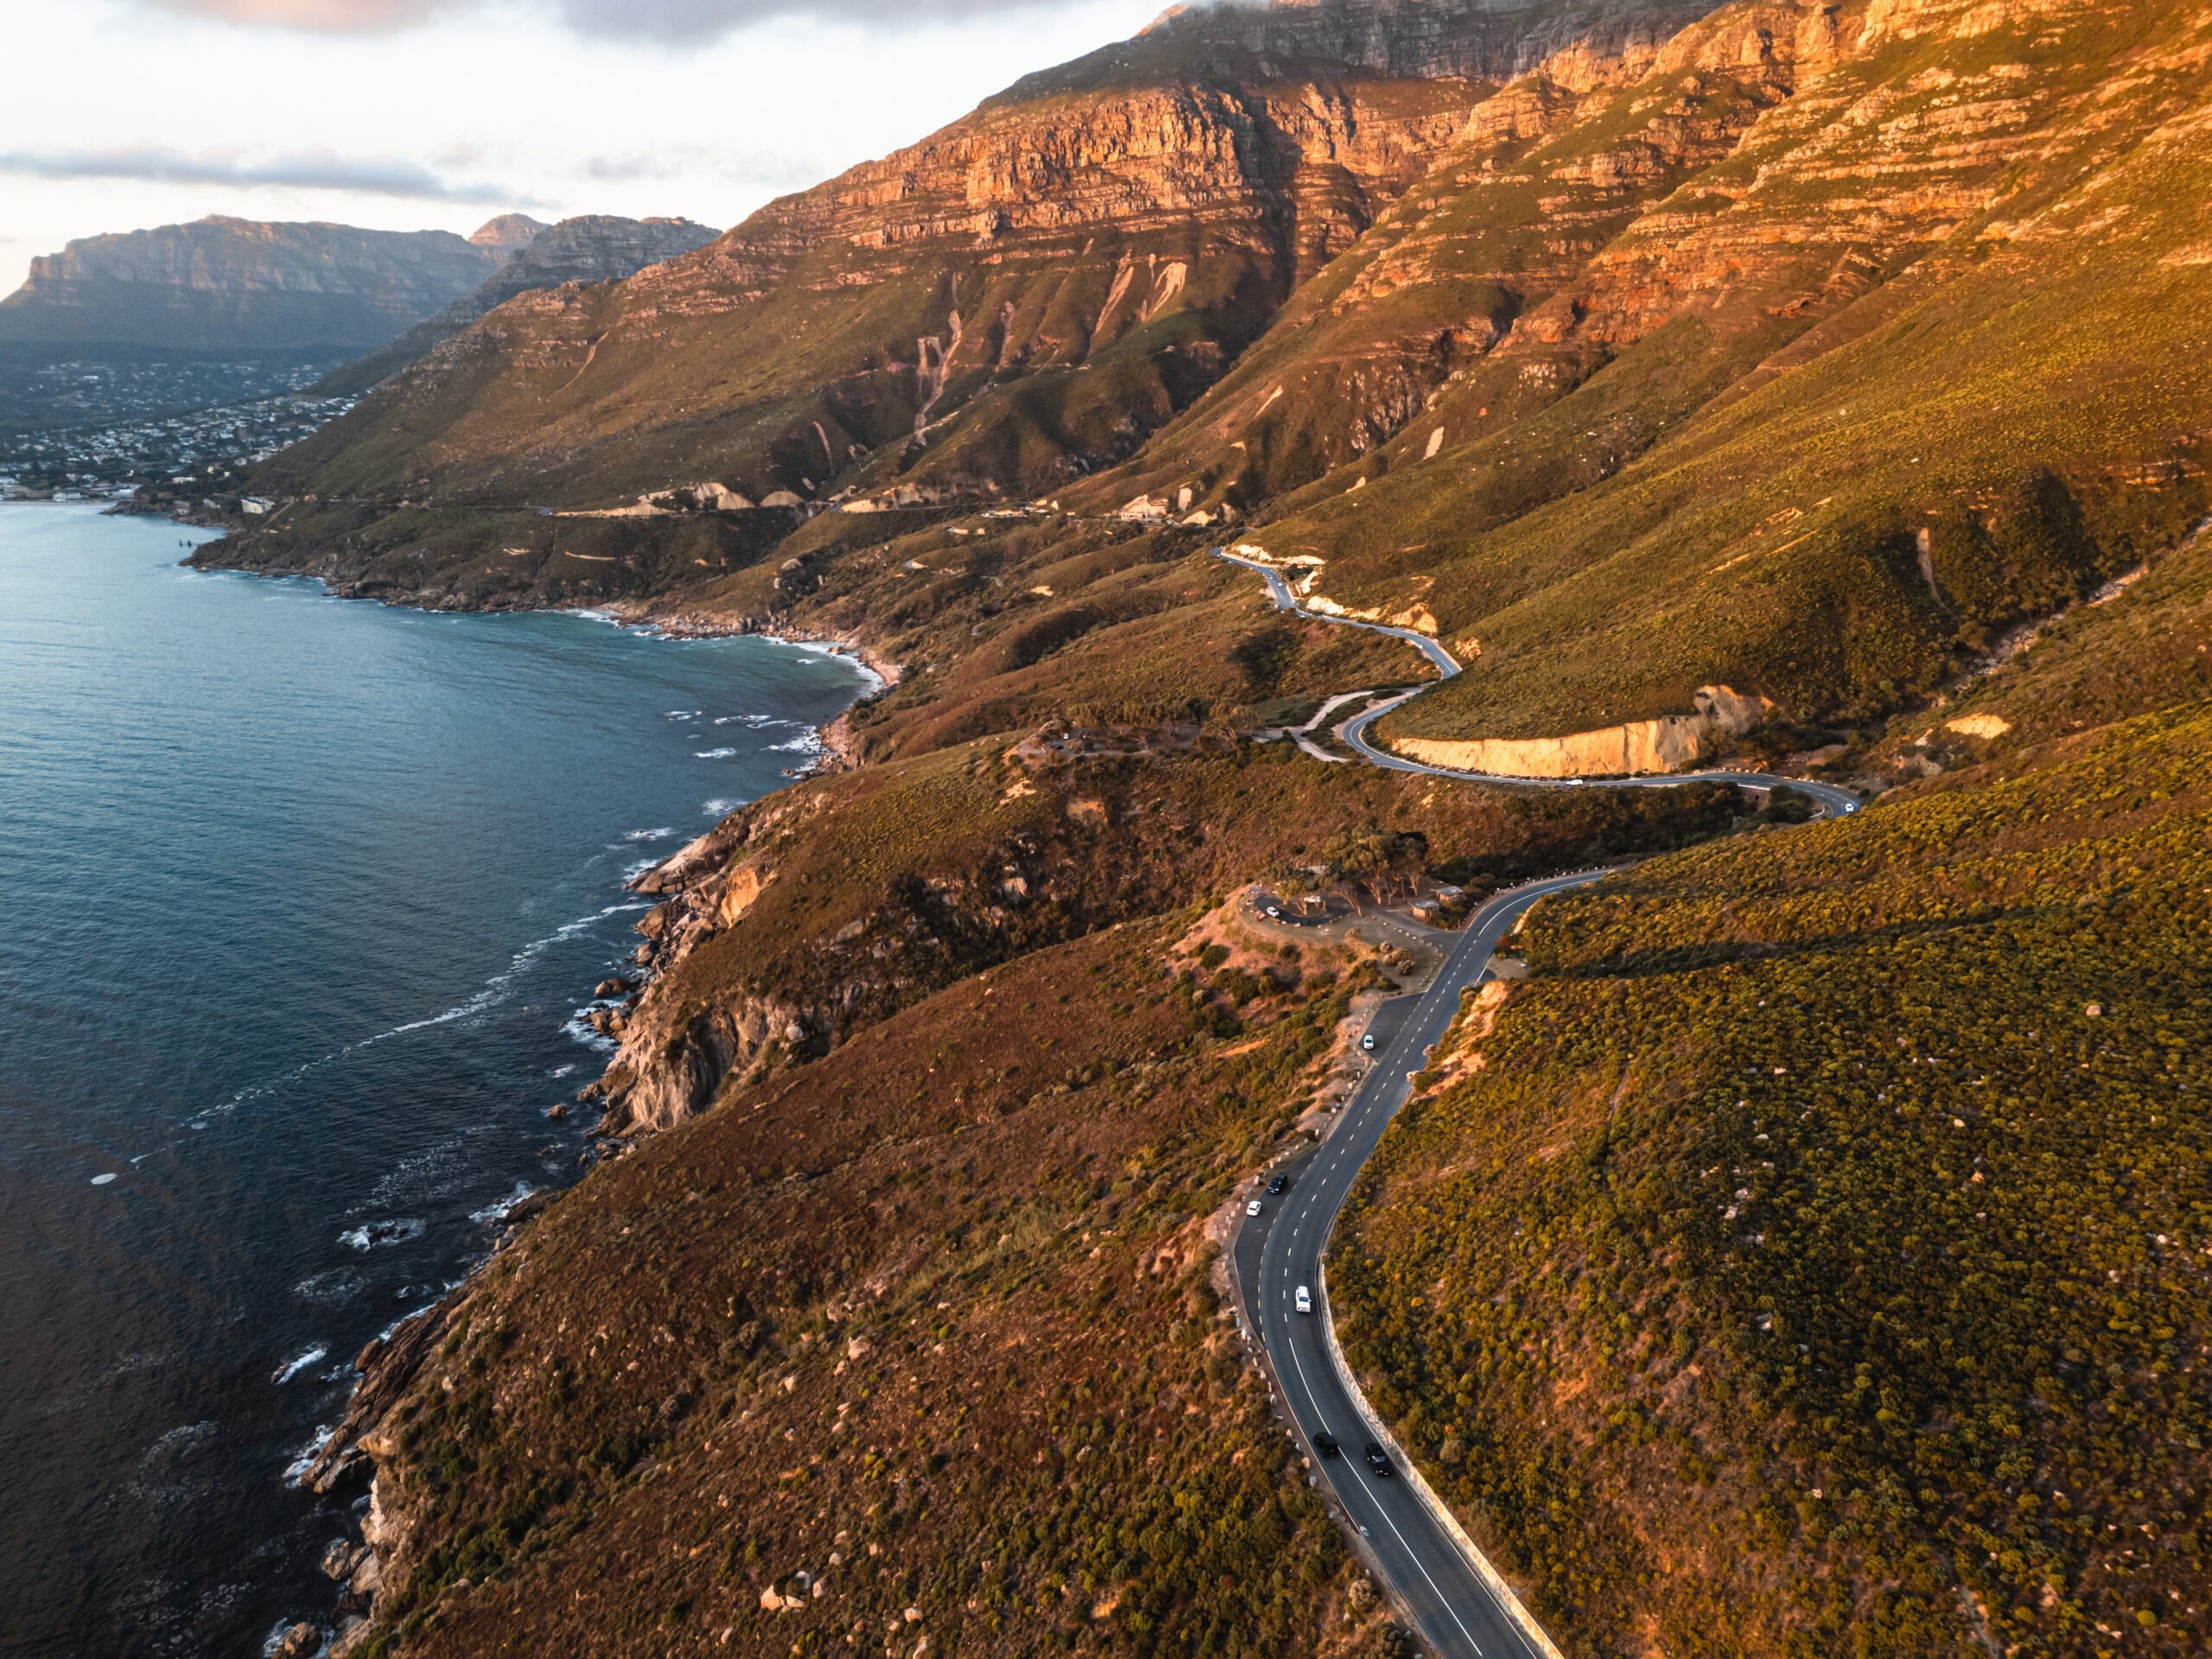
<point x="1280" y="1249"/>
<point x="1835" y="801"/>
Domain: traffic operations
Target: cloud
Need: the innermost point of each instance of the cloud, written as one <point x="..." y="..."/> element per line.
<point x="766" y="169"/>
<point x="657" y="22"/>
<point x="309" y="171"/>
<point x="318" y="17"/>
<point x="673" y="22"/>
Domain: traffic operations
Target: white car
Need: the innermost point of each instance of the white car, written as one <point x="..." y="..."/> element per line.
<point x="1253" y="1208"/>
<point x="1303" y="1300"/>
<point x="1367" y="1041"/>
<point x="1273" y="913"/>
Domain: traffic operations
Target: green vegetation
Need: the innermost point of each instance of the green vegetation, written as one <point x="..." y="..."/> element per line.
<point x="1815" y="1261"/>
<point x="930" y="1322"/>
<point x="1809" y="1258"/>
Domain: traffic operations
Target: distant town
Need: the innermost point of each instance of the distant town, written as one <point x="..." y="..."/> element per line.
<point x="147" y="430"/>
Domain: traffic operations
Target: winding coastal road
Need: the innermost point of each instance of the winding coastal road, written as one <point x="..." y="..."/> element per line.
<point x="1461" y="1610"/>
<point x="1457" y="1611"/>
<point x="1832" y="799"/>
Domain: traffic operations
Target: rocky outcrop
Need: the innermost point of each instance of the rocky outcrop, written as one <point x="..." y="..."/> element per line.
<point x="243" y="285"/>
<point x="1670" y="743"/>
<point x="593" y="248"/>
<point x="509" y="233"/>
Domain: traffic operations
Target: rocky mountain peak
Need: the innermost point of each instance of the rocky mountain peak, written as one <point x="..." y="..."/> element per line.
<point x="508" y="233"/>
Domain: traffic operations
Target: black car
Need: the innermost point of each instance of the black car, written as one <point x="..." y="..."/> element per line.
<point x="1378" y="1460"/>
<point x="1279" y="1184"/>
<point x="1326" y="1443"/>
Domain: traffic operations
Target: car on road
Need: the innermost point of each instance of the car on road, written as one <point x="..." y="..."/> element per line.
<point x="1253" y="1208"/>
<point x="1280" y="1182"/>
<point x="1326" y="1443"/>
<point x="1274" y="915"/>
<point x="1367" y="1041"/>
<point x="1303" y="1300"/>
<point x="1378" y="1460"/>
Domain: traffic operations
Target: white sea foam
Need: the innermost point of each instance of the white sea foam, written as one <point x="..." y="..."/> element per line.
<point x="373" y="1235"/>
<point x="713" y="754"/>
<point x="327" y="1289"/>
<point x="722" y="806"/>
<point x="562" y="1070"/>
<point x="101" y="1181"/>
<point x="292" y="1367"/>
<point x="497" y="1211"/>
<point x="496" y="989"/>
<point x="685" y="713"/>
<point x="385" y="1335"/>
<point x="807" y="742"/>
<point x="296" y="1470"/>
<point x="661" y="834"/>
<point x="589" y="1036"/>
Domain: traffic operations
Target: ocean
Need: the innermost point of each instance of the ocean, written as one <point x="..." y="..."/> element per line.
<point x="299" y="901"/>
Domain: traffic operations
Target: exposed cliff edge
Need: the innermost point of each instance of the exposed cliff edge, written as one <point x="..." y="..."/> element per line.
<point x="1670" y="743"/>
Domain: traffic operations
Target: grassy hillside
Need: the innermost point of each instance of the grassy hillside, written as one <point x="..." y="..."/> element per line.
<point x="1814" y="1255"/>
<point x="1806" y="1259"/>
<point x="919" y="1344"/>
<point x="1734" y="498"/>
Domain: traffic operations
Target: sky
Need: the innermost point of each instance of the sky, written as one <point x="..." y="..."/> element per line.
<point x="119" y="115"/>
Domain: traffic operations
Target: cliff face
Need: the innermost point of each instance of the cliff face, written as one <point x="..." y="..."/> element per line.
<point x="1014" y="302"/>
<point x="1670" y="743"/>
<point x="592" y="248"/>
<point x="236" y="285"/>
<point x="1710" y="347"/>
<point x="1797" y="347"/>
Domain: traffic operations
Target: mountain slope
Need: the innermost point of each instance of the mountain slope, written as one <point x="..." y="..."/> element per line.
<point x="1683" y="290"/>
<point x="592" y="248"/>
<point x="1806" y="1260"/>
<point x="1808" y="1257"/>
<point x="1076" y="260"/>
<point x="1970" y="373"/>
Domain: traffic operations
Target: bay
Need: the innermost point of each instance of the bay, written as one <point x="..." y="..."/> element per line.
<point x="300" y="898"/>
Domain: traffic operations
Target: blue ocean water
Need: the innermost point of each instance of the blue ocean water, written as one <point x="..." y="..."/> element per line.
<point x="299" y="898"/>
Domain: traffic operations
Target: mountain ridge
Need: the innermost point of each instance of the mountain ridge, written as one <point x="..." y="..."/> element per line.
<point x="243" y="285"/>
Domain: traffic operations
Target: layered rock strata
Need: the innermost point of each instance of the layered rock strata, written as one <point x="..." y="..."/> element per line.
<point x="244" y="285"/>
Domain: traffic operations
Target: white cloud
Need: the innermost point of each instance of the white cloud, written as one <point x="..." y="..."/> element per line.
<point x="674" y="22"/>
<point x="317" y="170"/>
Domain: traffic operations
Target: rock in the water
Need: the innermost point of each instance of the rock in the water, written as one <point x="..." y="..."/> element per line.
<point x="299" y="1641"/>
<point x="351" y="1465"/>
<point x="340" y="1559"/>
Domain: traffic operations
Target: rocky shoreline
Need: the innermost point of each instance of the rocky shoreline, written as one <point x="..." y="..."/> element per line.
<point x="364" y="1567"/>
